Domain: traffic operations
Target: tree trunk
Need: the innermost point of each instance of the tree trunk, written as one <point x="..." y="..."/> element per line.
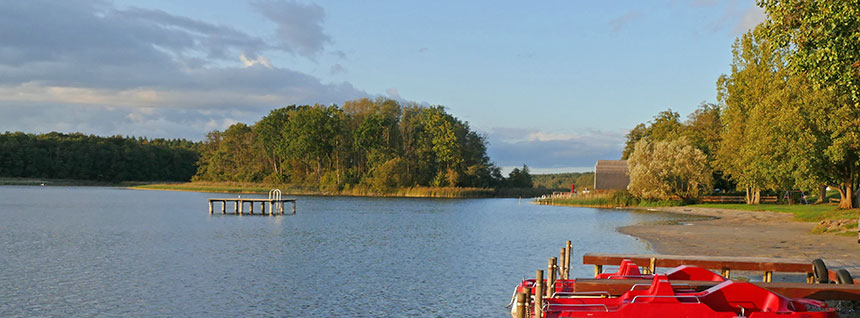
<point x="757" y="196"/>
<point x="822" y="193"/>
<point x="747" y="195"/>
<point x="846" y="200"/>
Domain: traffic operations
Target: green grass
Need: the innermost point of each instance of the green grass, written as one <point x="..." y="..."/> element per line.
<point x="802" y="212"/>
<point x="609" y="199"/>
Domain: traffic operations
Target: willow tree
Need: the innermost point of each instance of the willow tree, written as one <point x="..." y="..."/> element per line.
<point x="823" y="38"/>
<point x="661" y="170"/>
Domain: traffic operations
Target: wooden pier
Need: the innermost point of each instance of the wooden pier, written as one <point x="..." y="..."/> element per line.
<point x="276" y="204"/>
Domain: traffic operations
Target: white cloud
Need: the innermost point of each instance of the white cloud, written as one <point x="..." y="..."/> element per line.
<point x="259" y="60"/>
<point x="751" y="17"/>
<point x="553" y="149"/>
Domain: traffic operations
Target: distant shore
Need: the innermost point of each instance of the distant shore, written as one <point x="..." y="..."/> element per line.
<point x="416" y="192"/>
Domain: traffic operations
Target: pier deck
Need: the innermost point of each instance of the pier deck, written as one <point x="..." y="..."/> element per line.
<point x="276" y="205"/>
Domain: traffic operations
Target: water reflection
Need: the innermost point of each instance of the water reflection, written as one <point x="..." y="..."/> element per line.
<point x="118" y="252"/>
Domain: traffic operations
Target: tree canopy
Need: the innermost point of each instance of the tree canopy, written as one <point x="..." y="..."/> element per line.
<point x="375" y="143"/>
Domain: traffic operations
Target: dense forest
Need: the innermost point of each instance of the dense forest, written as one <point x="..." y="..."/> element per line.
<point x="379" y="144"/>
<point x="87" y="157"/>
<point x="787" y="115"/>
<point x="558" y="181"/>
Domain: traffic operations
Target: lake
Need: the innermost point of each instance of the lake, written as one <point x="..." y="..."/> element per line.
<point x="90" y="251"/>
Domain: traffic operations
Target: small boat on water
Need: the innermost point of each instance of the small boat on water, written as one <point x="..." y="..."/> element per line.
<point x="662" y="298"/>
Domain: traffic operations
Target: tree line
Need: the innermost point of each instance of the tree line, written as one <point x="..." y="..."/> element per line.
<point x="379" y="144"/>
<point x="88" y="157"/>
<point x="787" y="117"/>
<point x="563" y="181"/>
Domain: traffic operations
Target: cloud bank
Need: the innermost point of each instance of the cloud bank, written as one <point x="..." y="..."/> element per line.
<point x="93" y="67"/>
<point x="541" y="149"/>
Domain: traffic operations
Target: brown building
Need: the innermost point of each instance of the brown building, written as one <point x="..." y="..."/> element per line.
<point x="611" y="175"/>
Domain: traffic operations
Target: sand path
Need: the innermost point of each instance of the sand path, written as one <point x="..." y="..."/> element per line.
<point x="748" y="233"/>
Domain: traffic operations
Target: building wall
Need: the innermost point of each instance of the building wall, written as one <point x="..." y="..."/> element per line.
<point x="611" y="175"/>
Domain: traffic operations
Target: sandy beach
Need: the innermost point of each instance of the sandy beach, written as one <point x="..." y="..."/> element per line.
<point x="747" y="233"/>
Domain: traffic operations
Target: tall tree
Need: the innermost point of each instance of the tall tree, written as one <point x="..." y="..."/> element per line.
<point x="822" y="37"/>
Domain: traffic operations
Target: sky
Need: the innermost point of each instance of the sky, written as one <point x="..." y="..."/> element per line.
<point x="554" y="85"/>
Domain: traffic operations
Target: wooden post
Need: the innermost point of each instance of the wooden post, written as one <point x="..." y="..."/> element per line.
<point x="236" y="206"/>
<point x="251" y="209"/>
<point x="550" y="276"/>
<point x="597" y="270"/>
<point x="210" y="207"/>
<point x="521" y="304"/>
<point x="561" y="263"/>
<point x="727" y="272"/>
<point x="539" y="294"/>
<point x="567" y="253"/>
<point x="768" y="276"/>
<point x="263" y="207"/>
<point x="810" y="278"/>
<point x="294" y="207"/>
<point x="223" y="206"/>
<point x="241" y="206"/>
<point x="652" y="268"/>
<point x="271" y="208"/>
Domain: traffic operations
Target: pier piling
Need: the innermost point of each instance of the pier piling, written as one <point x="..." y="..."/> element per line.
<point x="538" y="310"/>
<point x="568" y="250"/>
<point x="521" y="304"/>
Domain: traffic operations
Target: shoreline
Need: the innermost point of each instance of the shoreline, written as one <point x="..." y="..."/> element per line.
<point x="744" y="233"/>
<point x="411" y="192"/>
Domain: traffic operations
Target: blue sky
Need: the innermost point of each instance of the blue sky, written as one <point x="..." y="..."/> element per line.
<point x="554" y="85"/>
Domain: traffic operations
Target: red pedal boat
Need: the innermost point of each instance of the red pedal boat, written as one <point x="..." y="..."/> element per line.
<point x="728" y="299"/>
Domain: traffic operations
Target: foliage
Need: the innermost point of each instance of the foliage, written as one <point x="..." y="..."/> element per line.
<point x="823" y="43"/>
<point x="661" y="170"/>
<point x="520" y="178"/>
<point x="88" y="157"/>
<point x="582" y="180"/>
<point x="374" y="144"/>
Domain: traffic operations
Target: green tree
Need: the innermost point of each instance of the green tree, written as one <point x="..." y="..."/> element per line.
<point x="661" y="170"/>
<point x="823" y="38"/>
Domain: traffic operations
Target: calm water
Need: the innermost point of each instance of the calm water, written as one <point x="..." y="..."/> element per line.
<point x="81" y="251"/>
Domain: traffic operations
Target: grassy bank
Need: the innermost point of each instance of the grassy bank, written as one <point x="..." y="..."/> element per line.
<point x="829" y="217"/>
<point x="423" y="192"/>
<point x="608" y="199"/>
<point x="67" y="182"/>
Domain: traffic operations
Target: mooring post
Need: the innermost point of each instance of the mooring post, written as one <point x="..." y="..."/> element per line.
<point x="251" y="209"/>
<point x="271" y="208"/>
<point x="241" y="206"/>
<point x="236" y="206"/>
<point x="263" y="207"/>
<point x="223" y="206"/>
<point x="550" y="276"/>
<point x="210" y="206"/>
<point x="652" y="268"/>
<point x="810" y="278"/>
<point x="597" y="270"/>
<point x="768" y="276"/>
<point x="294" y="206"/>
<point x="539" y="294"/>
<point x="567" y="253"/>
<point x="561" y="263"/>
<point x="521" y="304"/>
